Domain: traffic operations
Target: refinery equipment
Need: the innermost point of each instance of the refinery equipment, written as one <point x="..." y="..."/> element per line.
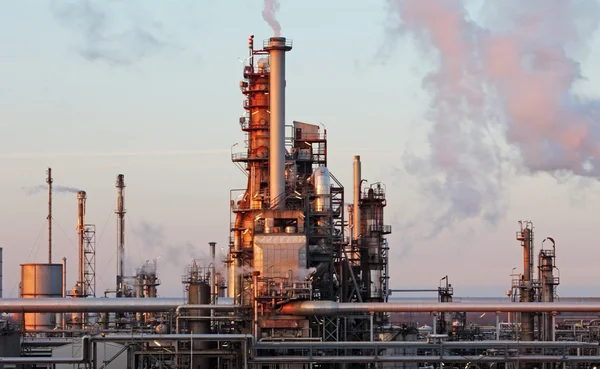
<point x="288" y="238"/>
<point x="304" y="282"/>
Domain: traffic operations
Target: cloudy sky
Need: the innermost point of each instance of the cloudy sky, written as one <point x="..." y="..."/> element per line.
<point x="474" y="117"/>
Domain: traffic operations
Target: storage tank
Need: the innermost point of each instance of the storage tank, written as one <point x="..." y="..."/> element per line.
<point x="199" y="293"/>
<point x="41" y="281"/>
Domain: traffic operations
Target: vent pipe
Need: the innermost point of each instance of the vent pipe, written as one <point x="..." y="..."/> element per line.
<point x="120" y="211"/>
<point x="49" y="181"/>
<point x="81" y="199"/>
<point x="356" y="210"/>
<point x="277" y="46"/>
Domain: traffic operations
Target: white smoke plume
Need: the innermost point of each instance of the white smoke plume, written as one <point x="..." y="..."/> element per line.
<point x="178" y="255"/>
<point x="268" y="14"/>
<point x="516" y="80"/>
<point x="32" y="190"/>
<point x="104" y="38"/>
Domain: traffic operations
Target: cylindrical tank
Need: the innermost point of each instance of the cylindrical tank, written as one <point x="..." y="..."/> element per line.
<point x="41" y="281"/>
<point x="322" y="188"/>
<point x="199" y="293"/>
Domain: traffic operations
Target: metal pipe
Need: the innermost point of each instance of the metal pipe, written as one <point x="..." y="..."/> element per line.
<point x="196" y="306"/>
<point x="53" y="305"/>
<point x="173" y="337"/>
<point x="49" y="181"/>
<point x="81" y="199"/>
<point x="332" y="308"/>
<point x="120" y="211"/>
<point x="277" y="46"/>
<point x="422" y="358"/>
<point x="448" y="345"/>
<point x="85" y="357"/>
<point x="356" y="211"/>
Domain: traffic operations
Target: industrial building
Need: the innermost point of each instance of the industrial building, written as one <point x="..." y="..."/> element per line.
<point x="307" y="282"/>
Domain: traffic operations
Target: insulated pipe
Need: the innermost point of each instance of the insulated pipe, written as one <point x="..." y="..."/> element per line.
<point x="423" y="358"/>
<point x="306" y="308"/>
<point x="447" y="345"/>
<point x="173" y="337"/>
<point x="54" y="305"/>
<point x="277" y="46"/>
<point x="356" y="211"/>
<point x="85" y="357"/>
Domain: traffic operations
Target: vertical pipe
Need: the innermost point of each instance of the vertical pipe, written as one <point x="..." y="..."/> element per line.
<point x="255" y="275"/>
<point x="277" y="46"/>
<point x="356" y="210"/>
<point x="371" y="324"/>
<point x="213" y="279"/>
<point x="64" y="287"/>
<point x="120" y="211"/>
<point x="81" y="198"/>
<point x="49" y="181"/>
<point x="497" y="326"/>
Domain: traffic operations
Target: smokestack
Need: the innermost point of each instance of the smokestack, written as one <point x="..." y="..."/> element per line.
<point x="277" y="46"/>
<point x="49" y="181"/>
<point x="81" y="199"/>
<point x="120" y="211"/>
<point x="356" y="211"/>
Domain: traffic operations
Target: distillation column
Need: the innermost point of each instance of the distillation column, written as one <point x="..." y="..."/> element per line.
<point x="546" y="264"/>
<point x="356" y="205"/>
<point x="81" y="288"/>
<point x="277" y="47"/>
<point x="81" y="199"/>
<point x="120" y="211"/>
<point x="527" y="290"/>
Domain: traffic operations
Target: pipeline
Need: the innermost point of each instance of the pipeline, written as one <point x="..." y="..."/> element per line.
<point x="423" y="358"/>
<point x="85" y="357"/>
<point x="320" y="308"/>
<point x="55" y="305"/>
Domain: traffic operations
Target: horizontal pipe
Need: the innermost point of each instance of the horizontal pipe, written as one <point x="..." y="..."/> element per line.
<point x="85" y="356"/>
<point x="333" y="308"/>
<point x="452" y="345"/>
<point x="173" y="337"/>
<point x="60" y="305"/>
<point x="423" y="358"/>
<point x="212" y="307"/>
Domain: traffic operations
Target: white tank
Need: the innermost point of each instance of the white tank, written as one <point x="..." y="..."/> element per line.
<point x="322" y="185"/>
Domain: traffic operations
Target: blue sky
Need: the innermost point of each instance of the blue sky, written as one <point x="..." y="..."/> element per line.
<point x="164" y="111"/>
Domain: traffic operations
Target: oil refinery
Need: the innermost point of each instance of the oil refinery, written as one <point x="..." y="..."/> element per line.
<point x="305" y="282"/>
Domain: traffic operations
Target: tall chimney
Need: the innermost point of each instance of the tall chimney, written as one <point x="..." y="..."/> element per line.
<point x="356" y="211"/>
<point x="81" y="198"/>
<point x="277" y="46"/>
<point x="49" y="181"/>
<point x="120" y="211"/>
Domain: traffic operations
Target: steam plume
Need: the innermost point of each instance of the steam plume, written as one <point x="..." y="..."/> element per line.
<point x="268" y="14"/>
<point x="516" y="80"/>
<point x="102" y="40"/>
<point x="176" y="255"/>
<point x="32" y="190"/>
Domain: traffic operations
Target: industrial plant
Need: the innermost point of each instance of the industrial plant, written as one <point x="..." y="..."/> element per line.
<point x="304" y="283"/>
